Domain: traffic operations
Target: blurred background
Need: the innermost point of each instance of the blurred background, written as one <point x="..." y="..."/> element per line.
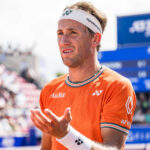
<point x="29" y="58"/>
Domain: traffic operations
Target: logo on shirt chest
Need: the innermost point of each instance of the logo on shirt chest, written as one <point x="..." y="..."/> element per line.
<point x="57" y="95"/>
<point x="97" y="93"/>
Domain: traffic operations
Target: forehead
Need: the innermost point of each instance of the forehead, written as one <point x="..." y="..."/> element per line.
<point x="67" y="24"/>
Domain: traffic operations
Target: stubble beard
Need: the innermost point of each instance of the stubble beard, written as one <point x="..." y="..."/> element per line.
<point x="72" y="62"/>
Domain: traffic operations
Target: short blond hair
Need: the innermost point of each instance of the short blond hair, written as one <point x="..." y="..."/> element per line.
<point x="90" y="8"/>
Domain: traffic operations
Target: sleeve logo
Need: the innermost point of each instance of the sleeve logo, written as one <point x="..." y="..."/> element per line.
<point x="78" y="141"/>
<point x="129" y="105"/>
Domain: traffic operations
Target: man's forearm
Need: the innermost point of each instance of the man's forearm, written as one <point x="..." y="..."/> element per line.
<point x="99" y="146"/>
<point x="46" y="142"/>
<point x="76" y="141"/>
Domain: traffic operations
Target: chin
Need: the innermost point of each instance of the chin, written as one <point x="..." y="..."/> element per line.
<point x="67" y="62"/>
<point x="70" y="65"/>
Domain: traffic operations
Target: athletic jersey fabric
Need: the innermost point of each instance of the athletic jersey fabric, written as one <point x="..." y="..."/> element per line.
<point x="106" y="100"/>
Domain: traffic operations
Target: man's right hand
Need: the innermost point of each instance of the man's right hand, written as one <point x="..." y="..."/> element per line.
<point x="50" y="123"/>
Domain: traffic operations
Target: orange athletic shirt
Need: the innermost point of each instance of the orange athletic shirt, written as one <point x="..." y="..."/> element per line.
<point x="106" y="100"/>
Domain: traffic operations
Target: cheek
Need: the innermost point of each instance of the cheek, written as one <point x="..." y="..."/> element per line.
<point x="78" y="41"/>
<point x="84" y="44"/>
<point x="59" y="44"/>
<point x="58" y="41"/>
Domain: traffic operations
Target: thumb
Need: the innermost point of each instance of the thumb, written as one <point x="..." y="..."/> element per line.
<point x="67" y="115"/>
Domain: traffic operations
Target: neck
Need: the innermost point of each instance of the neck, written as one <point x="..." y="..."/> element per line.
<point x="80" y="74"/>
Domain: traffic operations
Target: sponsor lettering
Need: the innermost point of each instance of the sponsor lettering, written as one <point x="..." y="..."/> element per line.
<point x="57" y="95"/>
<point x="141" y="26"/>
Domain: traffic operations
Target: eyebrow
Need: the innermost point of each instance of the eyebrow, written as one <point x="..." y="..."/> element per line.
<point x="69" y="29"/>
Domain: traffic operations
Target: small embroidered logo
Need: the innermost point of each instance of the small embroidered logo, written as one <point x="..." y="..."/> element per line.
<point x="67" y="12"/>
<point x="97" y="92"/>
<point x="78" y="141"/>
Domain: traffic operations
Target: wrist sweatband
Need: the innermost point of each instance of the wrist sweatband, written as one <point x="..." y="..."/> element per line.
<point x="84" y="18"/>
<point x="75" y="141"/>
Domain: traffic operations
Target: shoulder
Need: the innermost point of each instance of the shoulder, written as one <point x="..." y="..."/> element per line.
<point x="113" y="79"/>
<point x="48" y="89"/>
<point x="54" y="83"/>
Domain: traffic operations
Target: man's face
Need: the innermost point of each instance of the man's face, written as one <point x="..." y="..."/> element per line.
<point x="74" y="41"/>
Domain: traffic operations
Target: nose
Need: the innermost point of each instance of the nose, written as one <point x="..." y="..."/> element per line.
<point x="64" y="40"/>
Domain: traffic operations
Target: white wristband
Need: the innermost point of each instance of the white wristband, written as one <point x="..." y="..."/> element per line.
<point x="75" y="141"/>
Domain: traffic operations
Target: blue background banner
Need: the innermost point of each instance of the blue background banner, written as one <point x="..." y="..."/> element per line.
<point x="133" y="30"/>
<point x="133" y="63"/>
<point x="139" y="134"/>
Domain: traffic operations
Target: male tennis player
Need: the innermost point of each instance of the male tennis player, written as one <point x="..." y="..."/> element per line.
<point x="91" y="107"/>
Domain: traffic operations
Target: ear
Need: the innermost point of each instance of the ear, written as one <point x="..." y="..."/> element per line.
<point x="96" y="39"/>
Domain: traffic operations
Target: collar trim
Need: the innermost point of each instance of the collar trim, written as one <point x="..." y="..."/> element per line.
<point x="79" y="84"/>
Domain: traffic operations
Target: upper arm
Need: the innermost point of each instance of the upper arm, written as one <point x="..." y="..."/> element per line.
<point x="117" y="114"/>
<point x="113" y="137"/>
<point x="118" y="108"/>
<point x="46" y="142"/>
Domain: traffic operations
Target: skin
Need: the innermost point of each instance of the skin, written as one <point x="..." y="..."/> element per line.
<point x="78" y="51"/>
<point x="82" y="60"/>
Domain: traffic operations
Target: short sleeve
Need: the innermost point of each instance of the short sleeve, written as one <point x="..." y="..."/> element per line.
<point x="43" y="98"/>
<point x="41" y="101"/>
<point x="119" y="106"/>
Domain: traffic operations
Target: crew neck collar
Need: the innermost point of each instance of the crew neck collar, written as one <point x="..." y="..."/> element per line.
<point x="78" y="84"/>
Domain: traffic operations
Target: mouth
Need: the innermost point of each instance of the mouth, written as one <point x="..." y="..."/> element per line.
<point x="67" y="51"/>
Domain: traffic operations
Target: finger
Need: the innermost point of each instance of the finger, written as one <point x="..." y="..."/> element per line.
<point x="38" y="125"/>
<point x="36" y="122"/>
<point x="43" y="117"/>
<point x="52" y="116"/>
<point x="67" y="115"/>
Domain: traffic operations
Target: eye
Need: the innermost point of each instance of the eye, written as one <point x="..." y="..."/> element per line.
<point x="73" y="32"/>
<point x="59" y="33"/>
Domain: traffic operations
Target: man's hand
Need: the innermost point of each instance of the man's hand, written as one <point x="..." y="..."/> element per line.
<point x="50" y="123"/>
